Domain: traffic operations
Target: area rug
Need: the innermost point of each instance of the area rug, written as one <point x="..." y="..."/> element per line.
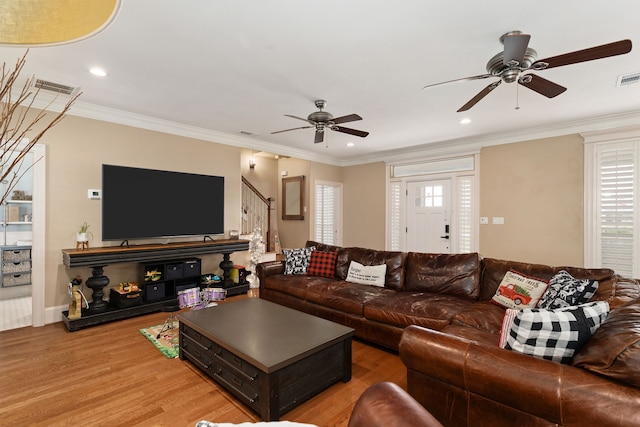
<point x="167" y="343"/>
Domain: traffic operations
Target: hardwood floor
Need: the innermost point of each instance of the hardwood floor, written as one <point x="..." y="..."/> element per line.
<point x="111" y="375"/>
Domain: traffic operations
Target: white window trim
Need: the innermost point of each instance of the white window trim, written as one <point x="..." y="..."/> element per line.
<point x="339" y="217"/>
<point x="591" y="141"/>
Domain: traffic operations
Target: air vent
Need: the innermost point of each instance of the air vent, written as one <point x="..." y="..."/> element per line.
<point x="55" y="87"/>
<point x="628" y="79"/>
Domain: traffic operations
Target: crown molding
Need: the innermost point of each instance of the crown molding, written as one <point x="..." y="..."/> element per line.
<point x="443" y="148"/>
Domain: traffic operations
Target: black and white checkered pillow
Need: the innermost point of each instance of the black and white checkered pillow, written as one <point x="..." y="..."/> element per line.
<point x="554" y="334"/>
<point x="297" y="260"/>
<point x="565" y="291"/>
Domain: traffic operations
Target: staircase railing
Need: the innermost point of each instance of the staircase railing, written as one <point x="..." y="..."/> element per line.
<point x="256" y="211"/>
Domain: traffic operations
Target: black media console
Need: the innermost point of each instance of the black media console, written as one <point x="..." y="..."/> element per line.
<point x="167" y="257"/>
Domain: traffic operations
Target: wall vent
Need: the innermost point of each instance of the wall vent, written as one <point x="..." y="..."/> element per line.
<point x="628" y="79"/>
<point x="55" y="87"/>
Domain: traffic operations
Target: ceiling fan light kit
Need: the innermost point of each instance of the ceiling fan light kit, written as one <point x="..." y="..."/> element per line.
<point x="517" y="58"/>
<point x="322" y="120"/>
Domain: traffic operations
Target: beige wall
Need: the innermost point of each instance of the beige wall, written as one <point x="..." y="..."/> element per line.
<point x="364" y="205"/>
<point x="78" y="147"/>
<point x="537" y="186"/>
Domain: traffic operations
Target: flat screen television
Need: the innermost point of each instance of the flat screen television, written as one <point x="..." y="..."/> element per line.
<point x="147" y="203"/>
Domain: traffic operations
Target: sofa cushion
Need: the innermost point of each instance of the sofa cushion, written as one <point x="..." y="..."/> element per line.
<point x="614" y="350"/>
<point x="366" y="274"/>
<point x="443" y="273"/>
<point x="553" y="334"/>
<point x="321" y="246"/>
<point x="519" y="291"/>
<point x="482" y="315"/>
<point x="395" y="261"/>
<point x="493" y="270"/>
<point x="322" y="264"/>
<point x="296" y="260"/>
<point x="426" y="309"/>
<point x="565" y="291"/>
<point x="342" y="296"/>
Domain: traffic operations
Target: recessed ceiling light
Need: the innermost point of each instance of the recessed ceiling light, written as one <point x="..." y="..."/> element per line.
<point x="350" y="144"/>
<point x="465" y="121"/>
<point x="96" y="71"/>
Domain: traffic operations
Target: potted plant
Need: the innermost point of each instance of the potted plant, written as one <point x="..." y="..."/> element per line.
<point x="83" y="233"/>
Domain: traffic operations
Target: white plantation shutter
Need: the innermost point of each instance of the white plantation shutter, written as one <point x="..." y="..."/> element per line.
<point x="616" y="203"/>
<point x="395" y="222"/>
<point x="464" y="230"/>
<point x="327" y="213"/>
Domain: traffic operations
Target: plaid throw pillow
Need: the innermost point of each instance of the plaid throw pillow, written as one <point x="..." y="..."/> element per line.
<point x="555" y="334"/>
<point x="296" y="260"/>
<point x="322" y="264"/>
<point x="565" y="290"/>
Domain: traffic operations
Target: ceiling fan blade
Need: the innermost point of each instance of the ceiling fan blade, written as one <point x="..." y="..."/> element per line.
<point x="542" y="86"/>
<point x="287" y="130"/>
<point x="345" y="119"/>
<point x="515" y="46"/>
<point x="319" y="137"/>
<point x="350" y="131"/>
<point x="606" y="50"/>
<point x="478" y="77"/>
<point x="484" y="92"/>
<point x="300" y="118"/>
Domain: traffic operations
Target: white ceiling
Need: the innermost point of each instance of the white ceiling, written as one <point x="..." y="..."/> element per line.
<point x="211" y="69"/>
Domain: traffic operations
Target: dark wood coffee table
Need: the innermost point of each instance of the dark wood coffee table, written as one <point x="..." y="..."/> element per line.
<point x="270" y="357"/>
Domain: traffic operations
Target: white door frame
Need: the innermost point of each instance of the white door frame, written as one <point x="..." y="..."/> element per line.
<point x="38" y="231"/>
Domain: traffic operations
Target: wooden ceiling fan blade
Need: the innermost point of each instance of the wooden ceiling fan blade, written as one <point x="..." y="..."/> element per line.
<point x="345" y="119"/>
<point x="287" y="130"/>
<point x="515" y="46"/>
<point x="542" y="86"/>
<point x="478" y="77"/>
<point x="319" y="137"/>
<point x="484" y="92"/>
<point x="350" y="131"/>
<point x="597" y="52"/>
<point x="300" y="118"/>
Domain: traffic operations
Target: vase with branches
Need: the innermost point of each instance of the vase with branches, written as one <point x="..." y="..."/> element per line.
<point x="21" y="124"/>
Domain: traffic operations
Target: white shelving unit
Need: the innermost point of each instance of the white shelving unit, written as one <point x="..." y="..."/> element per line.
<point x="15" y="252"/>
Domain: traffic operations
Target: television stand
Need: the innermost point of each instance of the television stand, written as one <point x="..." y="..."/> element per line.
<point x="98" y="258"/>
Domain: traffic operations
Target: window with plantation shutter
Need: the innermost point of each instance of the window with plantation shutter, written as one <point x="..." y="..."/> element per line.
<point x="328" y="200"/>
<point x="464" y="235"/>
<point x="395" y="221"/>
<point x="611" y="206"/>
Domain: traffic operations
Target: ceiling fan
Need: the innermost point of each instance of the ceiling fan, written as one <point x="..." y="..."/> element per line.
<point x="322" y="120"/>
<point x="518" y="58"/>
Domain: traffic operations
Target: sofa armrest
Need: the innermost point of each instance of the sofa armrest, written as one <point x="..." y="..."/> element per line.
<point x="387" y="405"/>
<point x="269" y="268"/>
<point x="546" y="390"/>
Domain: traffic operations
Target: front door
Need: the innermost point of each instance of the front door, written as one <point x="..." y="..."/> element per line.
<point x="428" y="216"/>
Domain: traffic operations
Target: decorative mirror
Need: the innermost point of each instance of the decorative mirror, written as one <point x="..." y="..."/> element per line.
<point x="293" y="197"/>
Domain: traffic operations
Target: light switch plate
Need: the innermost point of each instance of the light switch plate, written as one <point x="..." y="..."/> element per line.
<point x="498" y="220"/>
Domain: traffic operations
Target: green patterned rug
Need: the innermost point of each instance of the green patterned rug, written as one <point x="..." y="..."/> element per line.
<point x="168" y="341"/>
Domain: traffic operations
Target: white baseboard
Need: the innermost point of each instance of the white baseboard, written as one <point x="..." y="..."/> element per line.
<point x="54" y="314"/>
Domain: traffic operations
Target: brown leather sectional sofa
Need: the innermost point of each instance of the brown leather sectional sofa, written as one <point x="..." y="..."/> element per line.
<point x="435" y="310"/>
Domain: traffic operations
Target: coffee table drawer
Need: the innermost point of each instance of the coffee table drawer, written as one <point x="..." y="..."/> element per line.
<point x="242" y="387"/>
<point x="237" y="366"/>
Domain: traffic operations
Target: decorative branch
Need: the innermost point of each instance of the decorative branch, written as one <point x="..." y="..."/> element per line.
<point x="15" y="127"/>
